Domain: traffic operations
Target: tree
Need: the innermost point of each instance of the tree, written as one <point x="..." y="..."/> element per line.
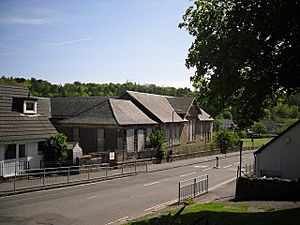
<point x="57" y="148"/>
<point x="245" y="53"/>
<point x="259" y="128"/>
<point x="157" y="141"/>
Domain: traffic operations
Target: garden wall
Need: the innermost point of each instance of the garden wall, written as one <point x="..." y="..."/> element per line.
<point x="267" y="189"/>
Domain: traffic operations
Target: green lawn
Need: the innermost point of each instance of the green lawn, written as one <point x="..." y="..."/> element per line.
<point x="226" y="214"/>
<point x="257" y="142"/>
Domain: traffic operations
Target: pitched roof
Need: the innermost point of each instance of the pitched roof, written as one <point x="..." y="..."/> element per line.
<point x="204" y="116"/>
<point x="66" y="107"/>
<point x="111" y="112"/>
<point x="16" y="126"/>
<point x="181" y="104"/>
<point x="157" y="105"/>
<point x="280" y="135"/>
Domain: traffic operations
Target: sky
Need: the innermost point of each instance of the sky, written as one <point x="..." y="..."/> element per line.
<point x="101" y="41"/>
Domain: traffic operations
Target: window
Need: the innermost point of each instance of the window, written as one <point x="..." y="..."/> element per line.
<point x="42" y="147"/>
<point x="201" y="132"/>
<point x="22" y="153"/>
<point x="191" y="132"/>
<point x="10" y="152"/>
<point x="130" y="140"/>
<point x="30" y="107"/>
<point x="176" y="131"/>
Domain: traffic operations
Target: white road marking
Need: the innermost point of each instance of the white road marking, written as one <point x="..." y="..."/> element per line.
<point x="227" y="166"/>
<point x="95" y="196"/>
<point x="237" y="163"/>
<point x="145" y="185"/>
<point x="162" y="205"/>
<point x="118" y="220"/>
<point x="187" y="174"/>
<point x="166" y="179"/>
<point x="197" y="166"/>
<point x="206" y="169"/>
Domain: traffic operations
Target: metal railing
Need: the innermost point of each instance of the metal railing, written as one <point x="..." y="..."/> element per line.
<point x="36" y="178"/>
<point x="192" y="187"/>
<point x="247" y="170"/>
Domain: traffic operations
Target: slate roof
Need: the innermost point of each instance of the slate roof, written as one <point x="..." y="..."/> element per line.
<point x="157" y="105"/>
<point x="113" y="112"/>
<point x="204" y="116"/>
<point x="277" y="137"/>
<point x="17" y="127"/>
<point x="66" y="107"/>
<point x="181" y="104"/>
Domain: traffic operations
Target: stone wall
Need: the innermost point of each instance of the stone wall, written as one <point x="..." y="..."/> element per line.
<point x="267" y="189"/>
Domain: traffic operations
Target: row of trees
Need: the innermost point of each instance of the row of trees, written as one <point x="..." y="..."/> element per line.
<point x="46" y="89"/>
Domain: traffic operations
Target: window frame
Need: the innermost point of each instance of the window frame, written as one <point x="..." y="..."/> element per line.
<point x="30" y="111"/>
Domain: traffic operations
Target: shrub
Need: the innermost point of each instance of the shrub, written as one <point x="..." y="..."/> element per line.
<point x="225" y="139"/>
<point x="57" y="148"/>
<point x="157" y="141"/>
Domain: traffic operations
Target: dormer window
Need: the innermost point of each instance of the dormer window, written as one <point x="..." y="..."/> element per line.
<point x="30" y="107"/>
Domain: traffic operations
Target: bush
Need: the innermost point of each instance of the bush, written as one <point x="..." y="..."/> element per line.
<point x="57" y="148"/>
<point x="242" y="134"/>
<point x="157" y="141"/>
<point x="225" y="139"/>
<point x="259" y="128"/>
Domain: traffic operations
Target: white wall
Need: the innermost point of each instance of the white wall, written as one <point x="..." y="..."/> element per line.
<point x="31" y="151"/>
<point x="282" y="157"/>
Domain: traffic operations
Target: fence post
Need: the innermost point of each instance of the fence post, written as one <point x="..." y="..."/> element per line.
<point x="194" y="187"/>
<point x="15" y="175"/>
<point x="206" y="182"/>
<point x="44" y="176"/>
<point x="237" y="172"/>
<point x="179" y="193"/>
<point x="146" y="166"/>
<point x="106" y="171"/>
<point x="122" y="168"/>
<point x="89" y="168"/>
<point x="135" y="166"/>
<point x="68" y="175"/>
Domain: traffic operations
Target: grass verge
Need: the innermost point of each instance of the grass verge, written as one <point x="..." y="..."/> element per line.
<point x="257" y="142"/>
<point x="225" y="214"/>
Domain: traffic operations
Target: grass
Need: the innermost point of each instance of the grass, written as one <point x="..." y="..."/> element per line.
<point x="225" y="214"/>
<point x="257" y="142"/>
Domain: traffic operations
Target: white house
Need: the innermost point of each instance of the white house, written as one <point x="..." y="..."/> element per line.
<point x="24" y="127"/>
<point x="281" y="156"/>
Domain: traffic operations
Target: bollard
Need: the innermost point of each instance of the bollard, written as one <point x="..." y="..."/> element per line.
<point x="217" y="161"/>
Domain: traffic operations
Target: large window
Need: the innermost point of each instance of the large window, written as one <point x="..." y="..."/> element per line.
<point x="10" y="152"/>
<point x="201" y="131"/>
<point x="192" y="135"/>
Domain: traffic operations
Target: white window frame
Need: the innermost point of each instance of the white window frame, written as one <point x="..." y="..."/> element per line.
<point x="201" y="131"/>
<point x="26" y="111"/>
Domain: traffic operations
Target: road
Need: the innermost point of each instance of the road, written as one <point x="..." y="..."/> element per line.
<point x="111" y="202"/>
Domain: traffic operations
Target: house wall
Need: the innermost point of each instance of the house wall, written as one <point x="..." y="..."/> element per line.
<point x="199" y="144"/>
<point x="281" y="158"/>
<point x="31" y="152"/>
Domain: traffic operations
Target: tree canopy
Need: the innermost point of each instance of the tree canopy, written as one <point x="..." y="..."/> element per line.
<point x="245" y="53"/>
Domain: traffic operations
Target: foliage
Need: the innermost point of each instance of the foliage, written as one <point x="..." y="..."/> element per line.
<point x="242" y="134"/>
<point x="259" y="128"/>
<point x="46" y="89"/>
<point x="157" y="141"/>
<point x="57" y="148"/>
<point x="225" y="139"/>
<point x="245" y="53"/>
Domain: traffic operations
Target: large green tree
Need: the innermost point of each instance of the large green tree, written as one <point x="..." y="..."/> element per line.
<point x="246" y="53"/>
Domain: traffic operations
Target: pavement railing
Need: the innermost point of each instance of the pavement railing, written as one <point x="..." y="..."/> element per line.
<point x="39" y="178"/>
<point x="193" y="187"/>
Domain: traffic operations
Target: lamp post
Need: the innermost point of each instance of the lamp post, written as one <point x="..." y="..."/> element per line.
<point x="241" y="147"/>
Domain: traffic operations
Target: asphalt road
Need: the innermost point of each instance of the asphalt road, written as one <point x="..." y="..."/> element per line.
<point x="114" y="201"/>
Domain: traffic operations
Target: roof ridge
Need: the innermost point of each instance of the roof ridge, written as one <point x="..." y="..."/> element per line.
<point x="143" y="93"/>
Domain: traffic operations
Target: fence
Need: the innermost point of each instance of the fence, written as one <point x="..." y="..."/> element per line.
<point x="36" y="178"/>
<point x="192" y="187"/>
<point x="247" y="170"/>
<point x="9" y="168"/>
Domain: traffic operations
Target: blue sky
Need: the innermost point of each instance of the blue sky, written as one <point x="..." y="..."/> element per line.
<point x="102" y="41"/>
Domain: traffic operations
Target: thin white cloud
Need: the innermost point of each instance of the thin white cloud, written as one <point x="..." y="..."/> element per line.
<point x="26" y="20"/>
<point x="71" y="42"/>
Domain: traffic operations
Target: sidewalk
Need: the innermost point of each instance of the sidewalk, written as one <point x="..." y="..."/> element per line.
<point x="186" y="162"/>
